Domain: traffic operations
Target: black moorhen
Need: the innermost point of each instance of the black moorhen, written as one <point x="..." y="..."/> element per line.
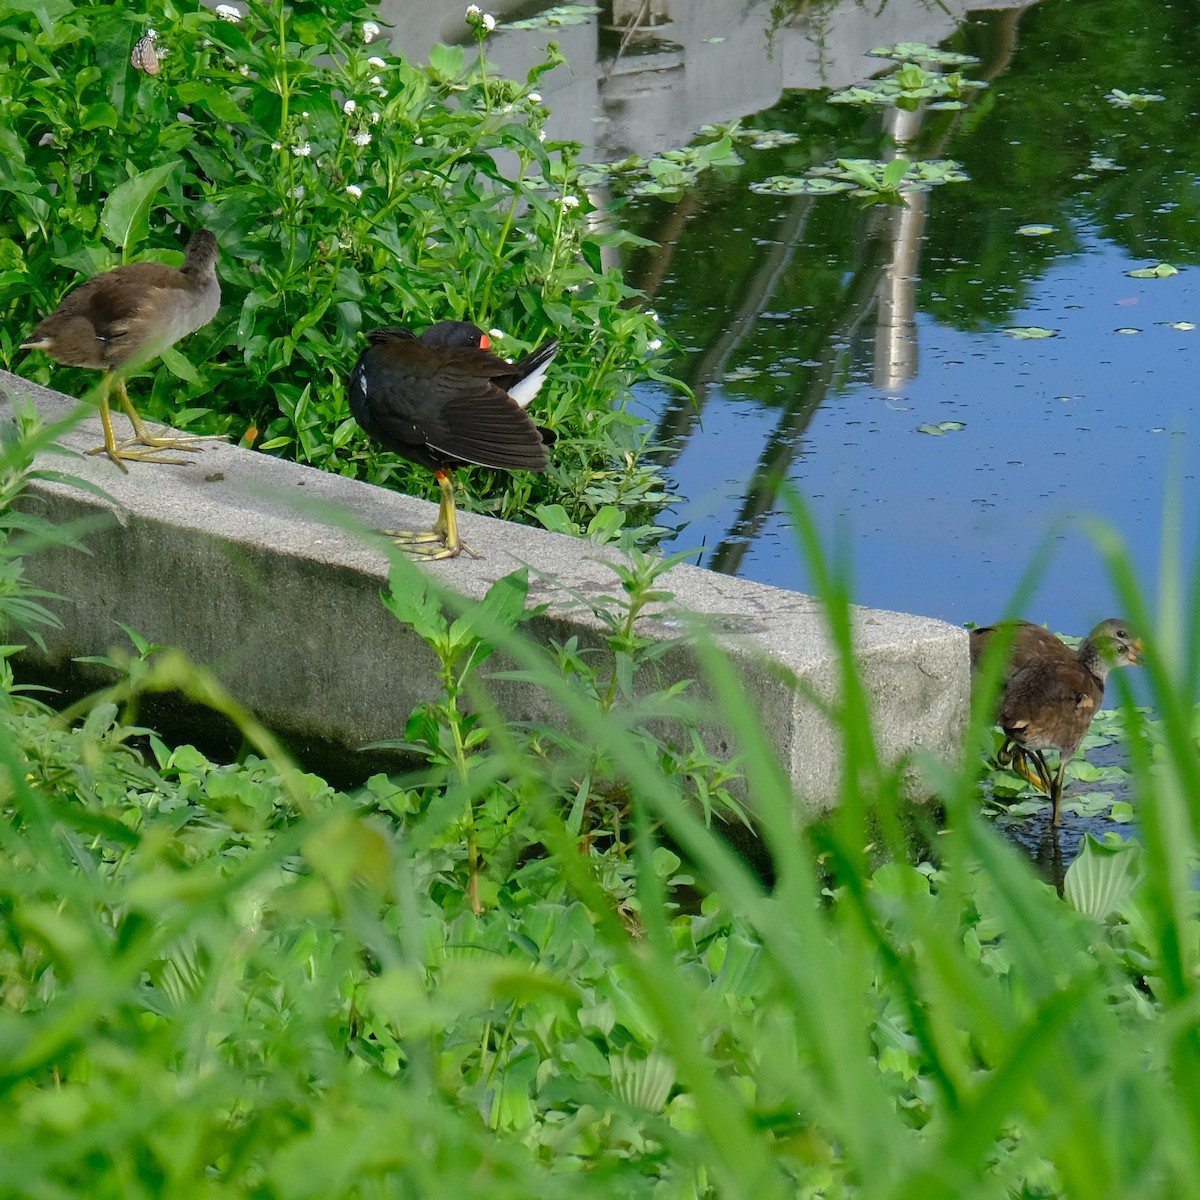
<point x="122" y="319"/>
<point x="1051" y="693"/>
<point x="443" y="400"/>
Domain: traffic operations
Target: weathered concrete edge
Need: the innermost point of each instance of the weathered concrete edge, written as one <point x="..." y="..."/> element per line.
<point x="232" y="559"/>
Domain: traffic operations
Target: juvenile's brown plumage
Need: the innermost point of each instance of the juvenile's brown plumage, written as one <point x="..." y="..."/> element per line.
<point x="443" y="400"/>
<point x="118" y="321"/>
<point x="1051" y="693"/>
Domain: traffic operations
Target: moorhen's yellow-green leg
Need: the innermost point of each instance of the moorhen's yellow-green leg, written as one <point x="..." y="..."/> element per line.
<point x="1016" y="756"/>
<point x="442" y="541"/>
<point x="110" y="446"/>
<point x="177" y="441"/>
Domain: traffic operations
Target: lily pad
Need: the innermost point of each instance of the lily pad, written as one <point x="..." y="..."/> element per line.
<point x="1026" y="332"/>
<point x="1160" y="271"/>
<point x="941" y="428"/>
<point x="552" y="18"/>
<point x="1127" y="329"/>
<point x="919" y="52"/>
<point x="1036" y="230"/>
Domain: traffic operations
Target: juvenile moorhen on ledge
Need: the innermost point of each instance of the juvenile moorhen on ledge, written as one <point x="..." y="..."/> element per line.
<point x="443" y="400"/>
<point x="122" y="319"/>
<point x="1051" y="693"/>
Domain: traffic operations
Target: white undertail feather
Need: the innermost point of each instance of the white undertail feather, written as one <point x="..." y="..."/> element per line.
<point x="529" y="387"/>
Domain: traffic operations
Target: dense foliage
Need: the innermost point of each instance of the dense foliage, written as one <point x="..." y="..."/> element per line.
<point x="233" y="980"/>
<point x="349" y="189"/>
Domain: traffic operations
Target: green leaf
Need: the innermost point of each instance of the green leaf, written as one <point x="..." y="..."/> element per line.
<point x="1161" y="271"/>
<point x="1103" y="877"/>
<point x="1036" y="230"/>
<point x="124" y="219"/>
<point x="1024" y="332"/>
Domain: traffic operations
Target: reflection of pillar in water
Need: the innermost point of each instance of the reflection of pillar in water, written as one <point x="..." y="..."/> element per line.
<point x="897" y="352"/>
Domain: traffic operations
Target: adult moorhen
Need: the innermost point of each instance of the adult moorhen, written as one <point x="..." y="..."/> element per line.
<point x="122" y="319"/>
<point x="443" y="400"/>
<point x="1051" y="693"/>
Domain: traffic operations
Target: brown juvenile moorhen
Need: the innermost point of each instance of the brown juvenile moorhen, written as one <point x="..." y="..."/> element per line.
<point x="1051" y="693"/>
<point x="122" y="319"/>
<point x="443" y="400"/>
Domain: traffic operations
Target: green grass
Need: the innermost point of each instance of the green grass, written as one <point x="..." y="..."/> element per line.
<point x="231" y="979"/>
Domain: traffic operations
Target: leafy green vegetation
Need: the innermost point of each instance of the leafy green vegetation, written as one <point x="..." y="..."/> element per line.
<point x="348" y="188"/>
<point x="234" y="980"/>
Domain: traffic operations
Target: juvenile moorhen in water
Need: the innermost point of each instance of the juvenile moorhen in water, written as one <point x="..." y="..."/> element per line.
<point x="443" y="400"/>
<point x="1051" y="693"/>
<point x="122" y="319"/>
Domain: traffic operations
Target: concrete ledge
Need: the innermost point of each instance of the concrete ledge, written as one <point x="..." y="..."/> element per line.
<point x="217" y="559"/>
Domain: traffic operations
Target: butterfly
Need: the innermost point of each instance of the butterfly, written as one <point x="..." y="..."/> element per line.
<point x="145" y="54"/>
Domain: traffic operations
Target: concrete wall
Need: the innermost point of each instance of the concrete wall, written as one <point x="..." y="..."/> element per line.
<point x="227" y="559"/>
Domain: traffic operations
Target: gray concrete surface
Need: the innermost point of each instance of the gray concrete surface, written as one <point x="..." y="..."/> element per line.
<point x="234" y="560"/>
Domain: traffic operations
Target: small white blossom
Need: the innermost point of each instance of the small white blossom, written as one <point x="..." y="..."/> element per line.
<point x="375" y="81"/>
<point x="244" y="69"/>
<point x="362" y="138"/>
<point x="276" y="145"/>
<point x="370" y="32"/>
<point x="349" y="107"/>
<point x="654" y="344"/>
<point x="374" y="118"/>
<point x="377" y="63"/>
<point x="473" y="13"/>
<point x="302" y="151"/>
<point x="569" y="201"/>
<point x="352" y="189"/>
<point x="498" y="334"/>
<point x="298" y="192"/>
<point x="418" y="141"/>
<point x="227" y="12"/>
<point x="304" y="115"/>
<point x="489" y="22"/>
<point x="541" y="135"/>
<point x="535" y="97"/>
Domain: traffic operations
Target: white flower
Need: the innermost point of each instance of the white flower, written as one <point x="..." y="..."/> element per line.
<point x="349" y="107"/>
<point x="304" y="115"/>
<point x="478" y="19"/>
<point x="377" y="63"/>
<point x="370" y="31"/>
<point x="352" y="189"/>
<point x="418" y="141"/>
<point x="244" y="69"/>
<point x="535" y="97"/>
<point x="498" y="334"/>
<point x="541" y="135"/>
<point x="654" y="344"/>
<point x="228" y="13"/>
<point x="302" y="151"/>
<point x="276" y="145"/>
<point x="569" y="201"/>
<point x="375" y="81"/>
<point x="374" y="118"/>
<point x="362" y="138"/>
<point x="298" y="192"/>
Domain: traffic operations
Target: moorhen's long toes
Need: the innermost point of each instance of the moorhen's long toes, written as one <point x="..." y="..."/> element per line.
<point x="123" y="319"/>
<point x="1051" y="693"/>
<point x="443" y="400"/>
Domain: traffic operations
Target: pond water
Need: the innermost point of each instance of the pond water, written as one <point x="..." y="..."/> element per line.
<point x="819" y="334"/>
